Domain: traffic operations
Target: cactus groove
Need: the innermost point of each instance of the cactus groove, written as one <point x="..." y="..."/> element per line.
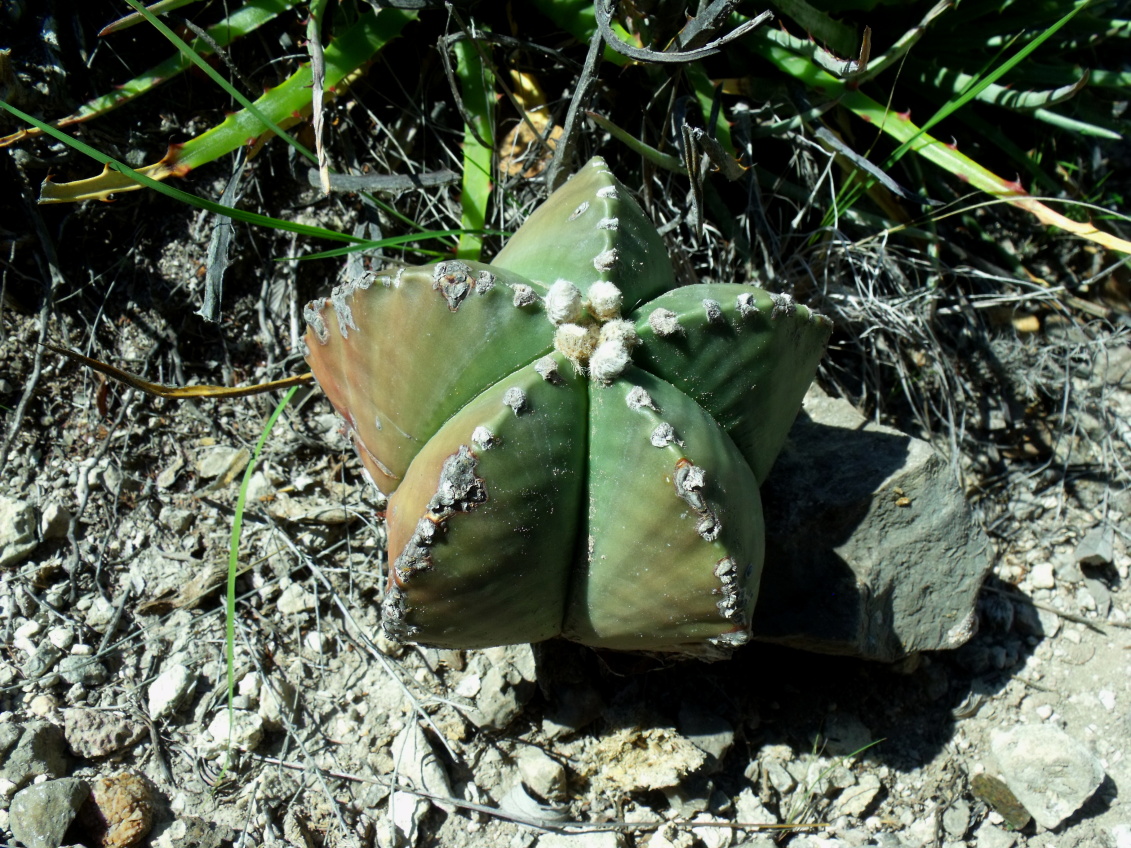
<point x="571" y="443"/>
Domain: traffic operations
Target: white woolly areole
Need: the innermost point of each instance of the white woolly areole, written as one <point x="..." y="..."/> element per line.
<point x="638" y="398"/>
<point x="714" y="311"/>
<point x="621" y="331"/>
<point x="575" y="342"/>
<point x="664" y="322"/>
<point x="524" y="295"/>
<point x="746" y="305"/>
<point x="547" y="369"/>
<point x="515" y="398"/>
<point x="484" y="438"/>
<point x="563" y="303"/>
<point x="664" y="435"/>
<point x="609" y="361"/>
<point x="606" y="259"/>
<point x="605" y="300"/>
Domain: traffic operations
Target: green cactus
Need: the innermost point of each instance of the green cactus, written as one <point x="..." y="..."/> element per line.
<point x="571" y="444"/>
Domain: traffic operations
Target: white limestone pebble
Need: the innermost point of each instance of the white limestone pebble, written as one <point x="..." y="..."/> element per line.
<point x="170" y="690"/>
<point x="243" y="727"/>
<point x="1051" y="773"/>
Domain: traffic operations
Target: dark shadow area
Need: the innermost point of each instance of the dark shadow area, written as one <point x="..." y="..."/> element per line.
<point x="818" y="492"/>
<point x="770" y="695"/>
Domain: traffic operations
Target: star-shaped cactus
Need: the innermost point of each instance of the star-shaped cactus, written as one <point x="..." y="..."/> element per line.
<point x="571" y="442"/>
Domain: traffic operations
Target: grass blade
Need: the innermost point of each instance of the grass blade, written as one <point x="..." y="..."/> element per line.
<point x="128" y="175"/>
<point x="477" y="86"/>
<point x="249" y="17"/>
<point x="234" y="547"/>
<point x="282" y="106"/>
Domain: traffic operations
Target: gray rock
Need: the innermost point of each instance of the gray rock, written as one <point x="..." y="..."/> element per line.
<point x="708" y="731"/>
<point x="40" y="815"/>
<point x="193" y="832"/>
<point x="542" y="774"/>
<point x="956" y="819"/>
<point x="30" y="750"/>
<point x="845" y="734"/>
<point x="1096" y="548"/>
<point x="17" y="530"/>
<point x="9" y="736"/>
<point x="85" y="671"/>
<point x="170" y="690"/>
<point x="42" y="661"/>
<point x="176" y="519"/>
<point x="96" y="733"/>
<point x="1051" y="773"/>
<point x="55" y="521"/>
<point x="507" y="685"/>
<point x="871" y="550"/>
<point x="992" y="836"/>
<point x="221" y="460"/>
<point x="854" y="800"/>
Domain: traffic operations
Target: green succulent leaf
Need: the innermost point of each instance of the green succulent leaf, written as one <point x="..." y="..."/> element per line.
<point x="591" y="229"/>
<point x="571" y="443"/>
<point x="730" y="355"/>
<point x="481" y="533"/>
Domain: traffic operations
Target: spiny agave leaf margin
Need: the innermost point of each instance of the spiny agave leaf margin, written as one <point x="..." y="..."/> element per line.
<point x="242" y="21"/>
<point x="176" y="193"/>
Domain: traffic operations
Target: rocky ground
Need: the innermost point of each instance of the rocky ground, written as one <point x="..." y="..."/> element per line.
<point x="118" y="513"/>
<point x="117" y="510"/>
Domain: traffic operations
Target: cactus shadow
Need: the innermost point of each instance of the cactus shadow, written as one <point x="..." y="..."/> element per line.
<point x="832" y="668"/>
<point x="818" y="495"/>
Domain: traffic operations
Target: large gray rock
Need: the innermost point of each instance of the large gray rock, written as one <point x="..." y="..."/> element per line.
<point x="40" y="814"/>
<point x="871" y="550"/>
<point x="30" y="750"/>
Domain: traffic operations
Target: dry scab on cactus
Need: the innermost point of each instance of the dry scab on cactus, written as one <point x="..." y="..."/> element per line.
<point x="571" y="443"/>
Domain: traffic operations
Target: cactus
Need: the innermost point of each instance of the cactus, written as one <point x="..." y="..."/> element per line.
<point x="571" y="444"/>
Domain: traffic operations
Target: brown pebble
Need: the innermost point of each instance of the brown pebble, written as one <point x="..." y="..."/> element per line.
<point x="119" y="811"/>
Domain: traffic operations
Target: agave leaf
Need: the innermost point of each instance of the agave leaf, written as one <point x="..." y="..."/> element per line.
<point x="656" y="157"/>
<point x="955" y="82"/>
<point x="399" y="355"/>
<point x="911" y="137"/>
<point x="899" y="49"/>
<point x="482" y="531"/>
<point x="900" y="127"/>
<point x="743" y="354"/>
<point x="590" y="229"/>
<point x="1073" y="125"/>
<point x="284" y="105"/>
<point x="820" y="26"/>
<point x="674" y="526"/>
<point x="249" y="17"/>
<point x="161" y="7"/>
<point x="245" y="19"/>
